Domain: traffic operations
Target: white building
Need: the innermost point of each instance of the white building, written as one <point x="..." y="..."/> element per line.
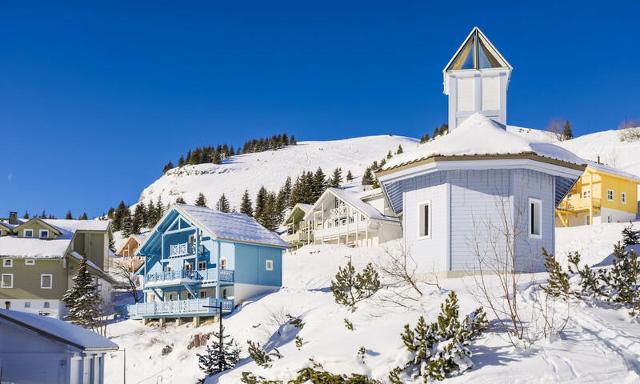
<point x="41" y="349"/>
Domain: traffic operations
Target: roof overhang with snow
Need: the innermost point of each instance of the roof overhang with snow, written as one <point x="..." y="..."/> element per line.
<point x="354" y="201"/>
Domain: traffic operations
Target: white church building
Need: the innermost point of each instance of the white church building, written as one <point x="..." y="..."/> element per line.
<point x="479" y="191"/>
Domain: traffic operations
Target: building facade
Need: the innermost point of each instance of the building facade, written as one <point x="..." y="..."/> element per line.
<point x="198" y="259"/>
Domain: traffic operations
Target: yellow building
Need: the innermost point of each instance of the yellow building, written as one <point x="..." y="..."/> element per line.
<point x="602" y="195"/>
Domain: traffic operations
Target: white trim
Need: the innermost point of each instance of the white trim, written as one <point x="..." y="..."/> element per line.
<point x="2" y="285"/>
<point x="40" y="232"/>
<point x="24" y="232"/>
<point x="29" y="261"/>
<point x="42" y="275"/>
<point x="268" y="264"/>
<point x="538" y="203"/>
<point x="7" y="263"/>
<point x="421" y="205"/>
<point x="610" y="194"/>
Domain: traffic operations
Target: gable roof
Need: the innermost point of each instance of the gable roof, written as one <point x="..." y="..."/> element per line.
<point x="613" y="171"/>
<point x="353" y="199"/>
<point x="477" y="52"/>
<point x="479" y="136"/>
<point x="7" y="227"/>
<point x="59" y="330"/>
<point x="28" y="247"/>
<point x="305" y="208"/>
<point x="79" y="225"/>
<point x="58" y="231"/>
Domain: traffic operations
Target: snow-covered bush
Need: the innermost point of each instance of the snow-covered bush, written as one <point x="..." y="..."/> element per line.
<point x="630" y="236"/>
<point x="351" y="287"/>
<point x="315" y="374"/>
<point x="629" y="134"/>
<point x="260" y="356"/>
<point x="441" y="349"/>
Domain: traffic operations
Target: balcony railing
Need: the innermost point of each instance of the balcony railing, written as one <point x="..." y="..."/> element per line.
<point x="186" y="276"/>
<point x="178" y="308"/>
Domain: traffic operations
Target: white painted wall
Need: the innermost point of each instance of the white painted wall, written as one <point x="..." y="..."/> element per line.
<point x="242" y="292"/>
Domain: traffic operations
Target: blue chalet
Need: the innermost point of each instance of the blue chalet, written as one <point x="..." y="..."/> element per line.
<point x="197" y="258"/>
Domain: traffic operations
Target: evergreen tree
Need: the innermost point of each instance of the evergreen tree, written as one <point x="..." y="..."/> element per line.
<point x="424" y="138"/>
<point x="223" y="204"/>
<point x="167" y="167"/>
<point x="336" y="178"/>
<point x="127" y="224"/>
<point x="245" y="205"/>
<point x="261" y="201"/>
<point x="389" y="155"/>
<point x="69" y="216"/>
<point x="367" y="178"/>
<point x="436" y="132"/>
<point x="83" y="216"/>
<point x="139" y="218"/>
<point x="180" y="200"/>
<point x="26" y="215"/>
<point x="630" y="236"/>
<point x="284" y="195"/>
<point x="159" y="210"/>
<point x="319" y="184"/>
<point x="269" y="216"/>
<point x="201" y="201"/>
<point x="221" y="354"/>
<point x="110" y="213"/>
<point x="118" y="216"/>
<point x="151" y="218"/>
<point x="351" y="287"/>
<point x="567" y="132"/>
<point x="444" y="129"/>
<point x="181" y="161"/>
<point x="399" y="150"/>
<point x="558" y="281"/>
<point x="349" y="176"/>
<point x="83" y="300"/>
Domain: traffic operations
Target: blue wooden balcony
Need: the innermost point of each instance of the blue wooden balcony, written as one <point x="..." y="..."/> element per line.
<point x="179" y="308"/>
<point x="187" y="276"/>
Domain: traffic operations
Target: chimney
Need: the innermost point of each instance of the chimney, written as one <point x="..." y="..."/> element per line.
<point x="13" y="218"/>
<point x="598" y="161"/>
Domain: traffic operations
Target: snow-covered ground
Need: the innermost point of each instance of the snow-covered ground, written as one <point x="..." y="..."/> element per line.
<point x="271" y="168"/>
<point x="599" y="345"/>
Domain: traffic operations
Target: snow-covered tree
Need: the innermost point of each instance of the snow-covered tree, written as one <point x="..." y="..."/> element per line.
<point x="221" y="354"/>
<point x="630" y="236"/>
<point x="245" y="205"/>
<point x="399" y="150"/>
<point x="223" y="204"/>
<point x="350" y="287"/>
<point x="180" y="200"/>
<point x="336" y="178"/>
<point x="83" y="300"/>
<point x="349" y="176"/>
<point x="567" y="132"/>
<point x="201" y="201"/>
<point x="367" y="178"/>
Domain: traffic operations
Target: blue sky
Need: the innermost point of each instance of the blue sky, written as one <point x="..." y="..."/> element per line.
<point x="96" y="96"/>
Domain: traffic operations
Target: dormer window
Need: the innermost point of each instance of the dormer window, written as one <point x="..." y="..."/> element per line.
<point x="44" y="234"/>
<point x="27" y="233"/>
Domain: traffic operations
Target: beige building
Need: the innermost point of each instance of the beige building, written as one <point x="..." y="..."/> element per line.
<point x="39" y="257"/>
<point x="126" y="254"/>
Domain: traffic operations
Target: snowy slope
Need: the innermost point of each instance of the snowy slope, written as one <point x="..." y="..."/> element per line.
<point x="271" y="168"/>
<point x="598" y="345"/>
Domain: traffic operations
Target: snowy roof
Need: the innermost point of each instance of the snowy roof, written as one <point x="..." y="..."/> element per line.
<point x="78" y="225"/>
<point x="231" y="226"/>
<point x="353" y="199"/>
<point x="370" y="193"/>
<point x="612" y="170"/>
<point x="6" y="225"/>
<point x="480" y="136"/>
<point x="60" y="331"/>
<point x="32" y="247"/>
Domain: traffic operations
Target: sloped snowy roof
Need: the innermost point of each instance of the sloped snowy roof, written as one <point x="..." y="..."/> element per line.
<point x="612" y="170"/>
<point x="231" y="226"/>
<point x="78" y="225"/>
<point x="25" y="247"/>
<point x="480" y="136"/>
<point x="7" y="226"/>
<point x="59" y="330"/>
<point x="353" y="199"/>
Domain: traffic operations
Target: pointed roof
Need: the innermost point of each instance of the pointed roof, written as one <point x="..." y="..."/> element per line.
<point x="477" y="52"/>
<point x="353" y="199"/>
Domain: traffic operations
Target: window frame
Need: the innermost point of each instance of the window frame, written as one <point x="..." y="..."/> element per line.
<point x="534" y="202"/>
<point x="429" y="232"/>
<point x="42" y="275"/>
<point x="2" y="285"/>
<point x="24" y="233"/>
<point x="610" y="194"/>
<point x="29" y="261"/>
<point x="268" y="264"/>
<point x="7" y="263"/>
<point x="623" y="197"/>
<point x="202" y="263"/>
<point x="41" y="231"/>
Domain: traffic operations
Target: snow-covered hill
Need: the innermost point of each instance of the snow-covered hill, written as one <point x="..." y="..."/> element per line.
<point x="271" y="168"/>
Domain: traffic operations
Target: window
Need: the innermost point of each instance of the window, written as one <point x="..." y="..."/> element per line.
<point x="535" y="216"/>
<point x="610" y="194"/>
<point x="203" y="294"/>
<point x="188" y="266"/>
<point x="6" y="280"/>
<point x="588" y="221"/>
<point x="7" y="263"/>
<point x="27" y="304"/>
<point x="46" y="281"/>
<point x="223" y="263"/>
<point x="29" y="262"/>
<point x="46" y="304"/>
<point x="623" y="197"/>
<point x="27" y="233"/>
<point x="268" y="264"/>
<point x="44" y="233"/>
<point x="424" y="218"/>
<point x="224" y="293"/>
<point x="586" y="193"/>
<point x="202" y="265"/>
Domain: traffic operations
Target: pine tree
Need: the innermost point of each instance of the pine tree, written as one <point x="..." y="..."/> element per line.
<point x="83" y="301"/>
<point x="436" y="132"/>
<point x="221" y="354"/>
<point x="319" y="184"/>
<point x="69" y="216"/>
<point x="444" y="129"/>
<point x="180" y="200"/>
<point x="367" y="178"/>
<point x="127" y="224"/>
<point x="167" y="167"/>
<point x="349" y="176"/>
<point x="630" y="236"/>
<point x="201" y="201"/>
<point x="399" y="150"/>
<point x="151" y="218"/>
<point x="118" y="216"/>
<point x="245" y="204"/>
<point x="181" y="162"/>
<point x="83" y="216"/>
<point x="567" y="132"/>
<point x="269" y="217"/>
<point x="424" y="138"/>
<point x="261" y="201"/>
<point x="558" y="281"/>
<point x="351" y="287"/>
<point x="285" y="191"/>
<point x="223" y="204"/>
<point x="139" y="218"/>
<point x="336" y="178"/>
<point x="26" y="215"/>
